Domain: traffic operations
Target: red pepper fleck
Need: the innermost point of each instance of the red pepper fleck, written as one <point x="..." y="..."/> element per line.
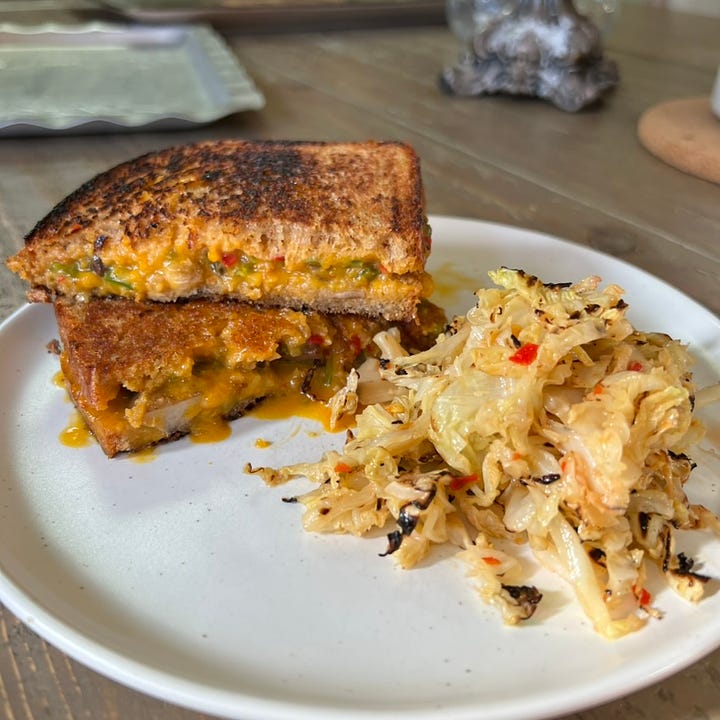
<point x="279" y="258"/>
<point x="458" y="483"/>
<point x="74" y="228"/>
<point x="525" y="354"/>
<point x="598" y="389"/>
<point x="635" y="366"/>
<point x="644" y="597"/>
<point x="229" y="259"/>
<point x="384" y="270"/>
<point x="316" y="340"/>
<point x="490" y="560"/>
<point x="356" y="344"/>
<point x="342" y="467"/>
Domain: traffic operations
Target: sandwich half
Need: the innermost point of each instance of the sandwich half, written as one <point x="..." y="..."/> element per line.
<point x="339" y="227"/>
<point x="143" y="372"/>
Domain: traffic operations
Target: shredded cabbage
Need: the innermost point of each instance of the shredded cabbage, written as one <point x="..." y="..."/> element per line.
<point x="542" y="417"/>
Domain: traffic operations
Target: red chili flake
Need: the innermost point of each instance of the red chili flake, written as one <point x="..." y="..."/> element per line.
<point x="316" y="340"/>
<point x="490" y="560"/>
<point x="598" y="389"/>
<point x="279" y="258"/>
<point x="525" y="354"/>
<point x="644" y="597"/>
<point x="356" y="344"/>
<point x="229" y="259"/>
<point x="635" y="366"/>
<point x="384" y="270"/>
<point x="342" y="467"/>
<point x="458" y="483"/>
<point x="74" y="228"/>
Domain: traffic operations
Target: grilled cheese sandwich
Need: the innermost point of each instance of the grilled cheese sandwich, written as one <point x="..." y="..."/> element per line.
<point x="191" y="283"/>
<point x="141" y="373"/>
<point x="339" y="227"/>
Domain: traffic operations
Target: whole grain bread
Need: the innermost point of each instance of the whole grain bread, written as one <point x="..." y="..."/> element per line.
<point x="143" y="372"/>
<point x="294" y="202"/>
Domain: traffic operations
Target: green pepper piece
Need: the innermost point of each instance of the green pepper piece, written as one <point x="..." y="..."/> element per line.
<point x="68" y="269"/>
<point x="111" y="276"/>
<point x="363" y="270"/>
<point x="245" y="266"/>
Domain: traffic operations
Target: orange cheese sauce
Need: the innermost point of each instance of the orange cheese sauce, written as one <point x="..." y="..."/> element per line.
<point x="143" y="456"/>
<point x="76" y="433"/>
<point x="295" y="405"/>
<point x="209" y="430"/>
<point x="58" y="380"/>
<point x="451" y="284"/>
<point x="168" y="273"/>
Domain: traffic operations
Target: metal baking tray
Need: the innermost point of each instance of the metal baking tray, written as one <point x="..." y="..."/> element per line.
<point x="100" y="77"/>
<point x="274" y="15"/>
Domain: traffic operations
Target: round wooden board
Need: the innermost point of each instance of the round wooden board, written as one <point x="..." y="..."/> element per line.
<point x="685" y="134"/>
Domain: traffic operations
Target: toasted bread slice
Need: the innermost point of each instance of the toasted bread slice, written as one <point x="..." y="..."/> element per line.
<point x="140" y="373"/>
<point x="339" y="227"/>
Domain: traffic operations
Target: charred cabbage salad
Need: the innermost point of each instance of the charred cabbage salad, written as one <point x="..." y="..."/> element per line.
<point x="540" y="418"/>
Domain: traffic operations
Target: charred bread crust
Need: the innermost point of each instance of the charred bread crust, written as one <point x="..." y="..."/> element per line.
<point x="111" y="341"/>
<point x="119" y="356"/>
<point x="295" y="200"/>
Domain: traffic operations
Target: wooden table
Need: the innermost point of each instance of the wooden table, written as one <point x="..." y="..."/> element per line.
<point x="583" y="177"/>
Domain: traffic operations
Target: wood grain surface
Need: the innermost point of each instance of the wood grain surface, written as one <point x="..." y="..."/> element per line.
<point x="584" y="177"/>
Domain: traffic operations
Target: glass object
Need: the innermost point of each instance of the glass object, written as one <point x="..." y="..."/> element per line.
<point x="466" y="18"/>
<point x="469" y="17"/>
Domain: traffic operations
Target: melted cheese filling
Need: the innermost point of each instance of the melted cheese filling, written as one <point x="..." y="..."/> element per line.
<point x="200" y="404"/>
<point x="201" y="401"/>
<point x="234" y="274"/>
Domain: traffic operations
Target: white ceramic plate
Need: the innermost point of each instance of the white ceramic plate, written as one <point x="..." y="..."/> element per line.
<point x="189" y="580"/>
